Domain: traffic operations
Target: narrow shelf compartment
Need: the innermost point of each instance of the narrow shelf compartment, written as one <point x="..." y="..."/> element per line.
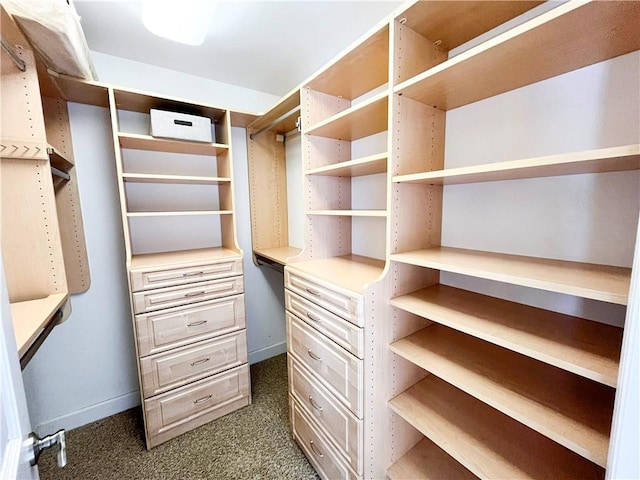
<point x="58" y="160"/>
<point x="487" y="442"/>
<point x="580" y="346"/>
<point x="154" y="144"/>
<point x="548" y="45"/>
<point x="182" y="179"/>
<point x="182" y="257"/>
<point x="591" y="161"/>
<point x="352" y="272"/>
<point x="428" y="461"/>
<point x="177" y="214"/>
<point x="349" y="213"/>
<point x="598" y="282"/>
<point x="544" y="398"/>
<point x="358" y="167"/>
<point x="278" y="254"/>
<point x="32" y="316"/>
<point x="362" y="120"/>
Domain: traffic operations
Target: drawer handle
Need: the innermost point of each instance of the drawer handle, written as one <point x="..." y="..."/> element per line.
<point x="195" y="324"/>
<point x="314" y="404"/>
<point x="314" y="292"/>
<point x="193" y="274"/>
<point x="311" y="316"/>
<point x="200" y="362"/>
<point x="203" y="399"/>
<point x="315" y="450"/>
<point x="314" y="356"/>
<point x="194" y="294"/>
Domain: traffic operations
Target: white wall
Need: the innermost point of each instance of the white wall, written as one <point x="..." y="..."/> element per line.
<point x="86" y="369"/>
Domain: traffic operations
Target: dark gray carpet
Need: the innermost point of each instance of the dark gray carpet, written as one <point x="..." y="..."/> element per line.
<point x="252" y="443"/>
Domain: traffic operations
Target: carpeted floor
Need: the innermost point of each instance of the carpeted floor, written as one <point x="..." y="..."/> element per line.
<point x="252" y="443"/>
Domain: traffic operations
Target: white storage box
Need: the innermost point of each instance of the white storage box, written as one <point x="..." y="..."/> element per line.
<point x="180" y="126"/>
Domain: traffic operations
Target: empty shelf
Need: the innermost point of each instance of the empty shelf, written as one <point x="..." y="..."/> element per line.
<point x="598" y="282"/>
<point x="586" y="348"/>
<point x="353" y="272"/>
<point x="147" y="142"/>
<point x="32" y="316"/>
<point x="183" y="179"/>
<point x="178" y="214"/>
<point x="182" y="257"/>
<point x="58" y="160"/>
<point x="429" y="462"/>
<point x="349" y="213"/>
<point x="362" y="120"/>
<point x="546" y="399"/>
<point x="487" y="442"/>
<point x="278" y="254"/>
<point x="370" y="165"/>
<point x="548" y="45"/>
<point x="592" y="161"/>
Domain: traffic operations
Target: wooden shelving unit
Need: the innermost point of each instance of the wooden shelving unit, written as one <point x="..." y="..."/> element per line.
<point x="147" y="142"/>
<point x="173" y="179"/>
<point x="370" y="165"/>
<point x="599" y="282"/>
<point x="178" y="214"/>
<point x="583" y="347"/>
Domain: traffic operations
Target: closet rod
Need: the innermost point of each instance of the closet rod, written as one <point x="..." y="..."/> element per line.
<point x="60" y="173"/>
<point x="14" y="56"/>
<point x="275" y="122"/>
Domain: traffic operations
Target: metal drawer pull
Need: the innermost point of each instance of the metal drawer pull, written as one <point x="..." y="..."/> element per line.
<point x="195" y="324"/>
<point x="314" y="356"/>
<point x="194" y="294"/>
<point x="200" y="362"/>
<point x="314" y="292"/>
<point x="311" y="316"/>
<point x="314" y="404"/>
<point x="193" y="274"/>
<point x="203" y="399"/>
<point x="315" y="450"/>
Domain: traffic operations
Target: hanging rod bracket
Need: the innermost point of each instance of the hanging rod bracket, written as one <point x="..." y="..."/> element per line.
<point x="7" y="47"/>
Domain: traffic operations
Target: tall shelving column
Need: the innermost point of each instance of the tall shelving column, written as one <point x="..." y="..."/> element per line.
<point x="525" y="392"/>
<point x="184" y="266"/>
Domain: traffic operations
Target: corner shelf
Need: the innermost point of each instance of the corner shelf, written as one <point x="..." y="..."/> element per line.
<point x="279" y="255"/>
<point x="30" y="317"/>
<point x="359" y="167"/>
<point x="548" y="45"/>
<point x="487" y="442"/>
<point x="585" y="348"/>
<point x="362" y="120"/>
<point x="612" y="159"/>
<point x="181" y="179"/>
<point x="154" y="144"/>
<point x="519" y="387"/>
<point x="598" y="282"/>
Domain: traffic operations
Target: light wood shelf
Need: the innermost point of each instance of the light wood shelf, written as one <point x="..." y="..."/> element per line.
<point x="352" y="272"/>
<point x="178" y="214"/>
<point x="548" y="45"/>
<point x="598" y="282"/>
<point x="583" y="347"/>
<point x="182" y="179"/>
<point x="362" y="120"/>
<point x="612" y="159"/>
<point x="58" y="159"/>
<point x="349" y="213"/>
<point x="370" y="165"/>
<point x="278" y="254"/>
<point x="182" y="257"/>
<point x="429" y="462"/>
<point x="284" y="106"/>
<point x="30" y="317"/>
<point x="487" y="442"/>
<point x="344" y="77"/>
<point x="522" y="388"/>
<point x="154" y="144"/>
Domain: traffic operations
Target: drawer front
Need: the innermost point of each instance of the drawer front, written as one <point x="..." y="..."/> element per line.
<point x="327" y="462"/>
<point x="345" y="334"/>
<point x="339" y="371"/>
<point x="152" y="300"/>
<point x="179" y="326"/>
<point x="166" y="277"/>
<point x="180" y="410"/>
<point x="346" y="306"/>
<point x="177" y="367"/>
<point x="335" y="419"/>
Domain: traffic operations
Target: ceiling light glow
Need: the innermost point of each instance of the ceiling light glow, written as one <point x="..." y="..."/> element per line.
<point x="184" y="21"/>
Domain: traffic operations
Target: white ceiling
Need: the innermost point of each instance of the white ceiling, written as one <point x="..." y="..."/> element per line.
<point x="270" y="46"/>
